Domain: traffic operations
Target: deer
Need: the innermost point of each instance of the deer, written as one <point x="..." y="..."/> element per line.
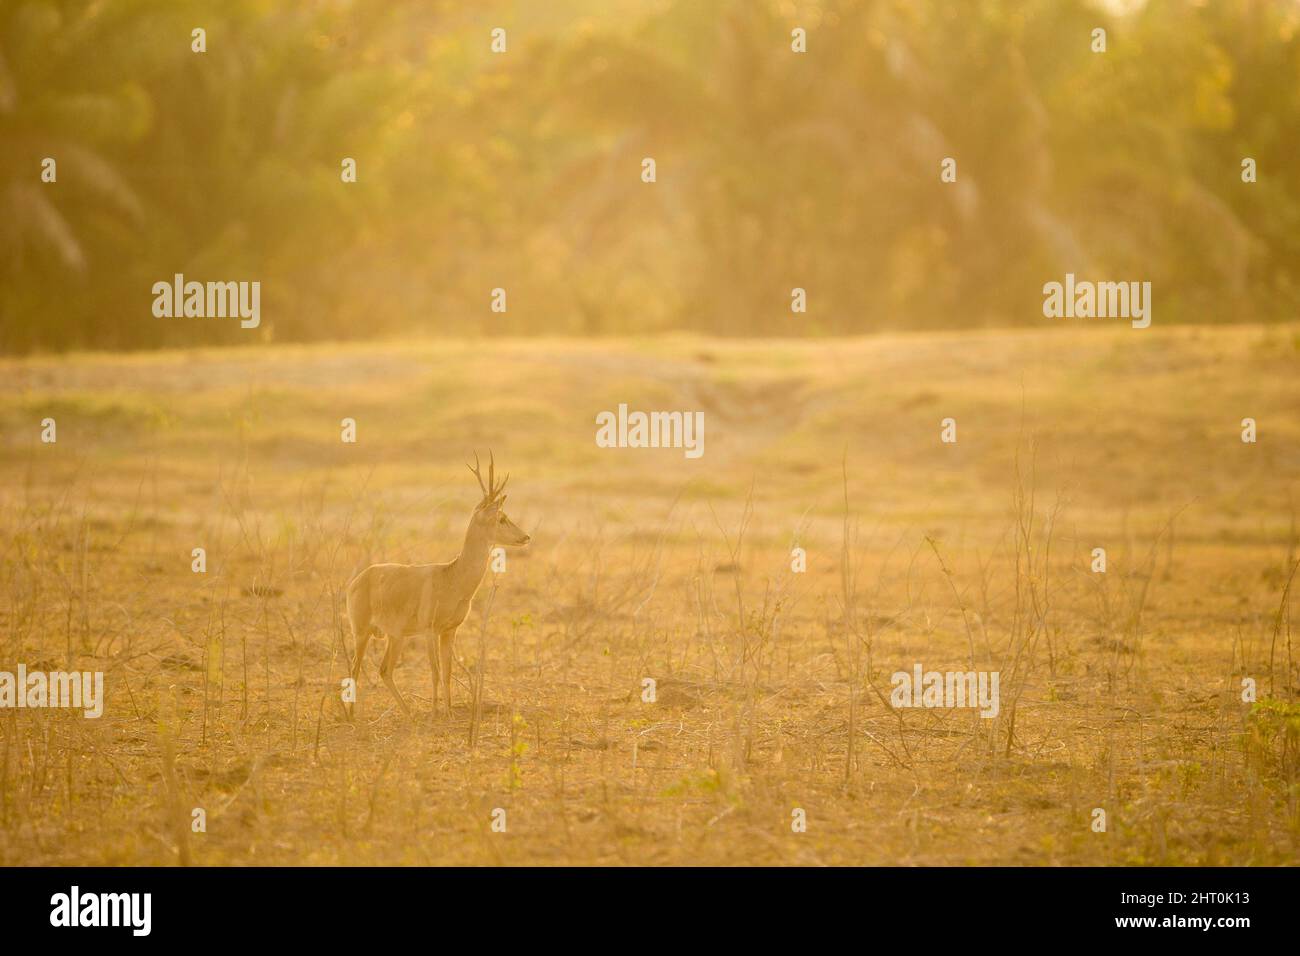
<point x="399" y="601"/>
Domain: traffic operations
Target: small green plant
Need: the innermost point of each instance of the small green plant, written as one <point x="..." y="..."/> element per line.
<point x="1273" y="736"/>
<point x="518" y="747"/>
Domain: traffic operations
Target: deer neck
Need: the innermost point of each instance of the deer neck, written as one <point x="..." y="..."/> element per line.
<point x="472" y="563"/>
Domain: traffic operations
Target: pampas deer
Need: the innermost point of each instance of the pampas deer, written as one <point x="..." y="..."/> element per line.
<point x="405" y="600"/>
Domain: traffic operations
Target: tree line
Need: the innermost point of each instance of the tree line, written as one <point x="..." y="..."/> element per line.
<point x="519" y="168"/>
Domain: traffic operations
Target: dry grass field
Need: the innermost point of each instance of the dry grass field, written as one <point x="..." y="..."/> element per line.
<point x="1119" y="690"/>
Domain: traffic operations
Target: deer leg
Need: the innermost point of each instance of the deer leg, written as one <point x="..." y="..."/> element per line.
<point x="362" y="638"/>
<point x="431" y="645"/>
<point x="361" y="633"/>
<point x="391" y="657"/>
<point x="444" y="663"/>
<point x="363" y="626"/>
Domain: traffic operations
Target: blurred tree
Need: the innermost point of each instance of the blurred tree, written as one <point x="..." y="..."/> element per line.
<point x="520" y="170"/>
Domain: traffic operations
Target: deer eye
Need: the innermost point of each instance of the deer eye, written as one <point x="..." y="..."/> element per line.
<point x="502" y="519"/>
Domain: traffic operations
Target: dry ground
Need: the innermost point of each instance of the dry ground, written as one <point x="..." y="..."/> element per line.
<point x="1120" y="691"/>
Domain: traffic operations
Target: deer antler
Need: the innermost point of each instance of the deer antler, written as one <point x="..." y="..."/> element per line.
<point x="491" y="490"/>
<point x="474" y="470"/>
